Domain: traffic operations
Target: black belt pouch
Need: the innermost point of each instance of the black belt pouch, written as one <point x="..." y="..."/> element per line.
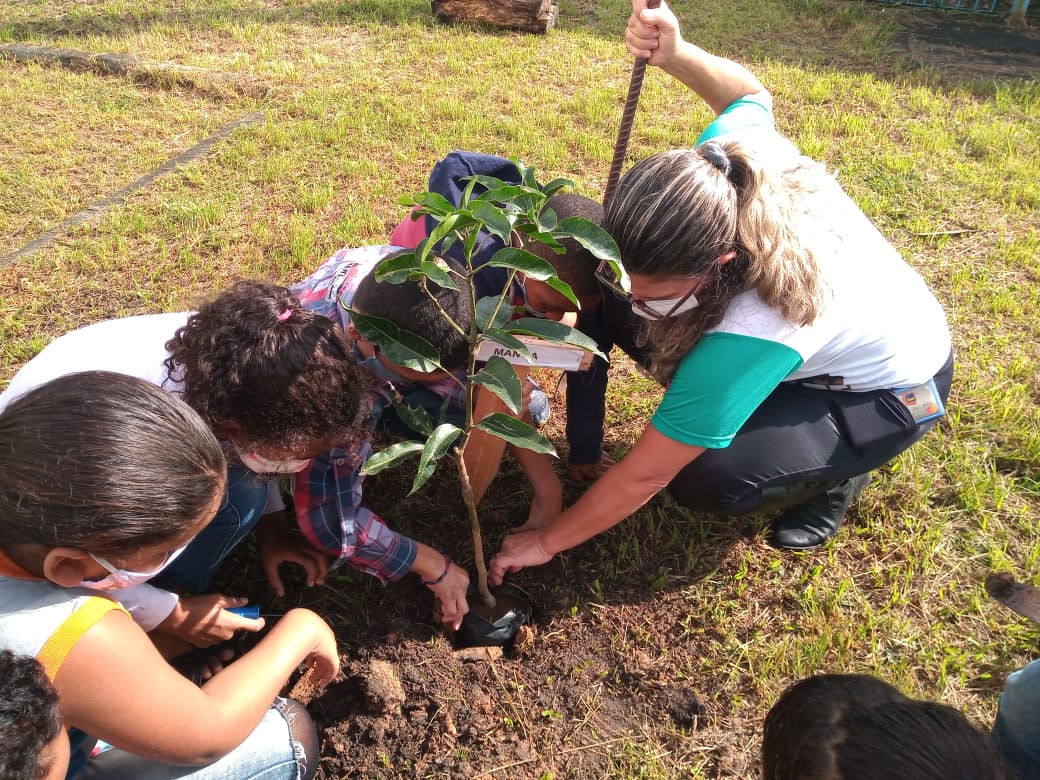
<point x="872" y="419"/>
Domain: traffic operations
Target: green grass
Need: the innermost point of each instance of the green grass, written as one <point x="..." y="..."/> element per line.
<point x="364" y="97"/>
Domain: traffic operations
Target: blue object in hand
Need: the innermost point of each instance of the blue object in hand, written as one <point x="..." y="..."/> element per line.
<point x="251" y="611"/>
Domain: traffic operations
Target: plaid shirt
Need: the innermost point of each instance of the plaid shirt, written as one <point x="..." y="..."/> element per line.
<point x="327" y="494"/>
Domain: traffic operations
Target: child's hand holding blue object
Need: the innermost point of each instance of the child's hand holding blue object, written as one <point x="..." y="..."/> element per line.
<point x="207" y="620"/>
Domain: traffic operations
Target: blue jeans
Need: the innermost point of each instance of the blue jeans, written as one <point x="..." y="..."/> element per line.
<point x="1017" y="728"/>
<point x="195" y="568"/>
<point x="268" y="753"/>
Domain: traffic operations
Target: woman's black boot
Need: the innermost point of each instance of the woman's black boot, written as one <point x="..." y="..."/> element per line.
<point x="814" y="522"/>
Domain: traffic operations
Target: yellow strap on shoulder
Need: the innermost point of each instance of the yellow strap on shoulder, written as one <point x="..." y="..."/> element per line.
<point x="57" y="647"/>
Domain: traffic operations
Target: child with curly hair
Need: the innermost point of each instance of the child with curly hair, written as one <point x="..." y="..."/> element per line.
<point x="278" y="385"/>
<point x="346" y="283"/>
<point x="33" y="743"/>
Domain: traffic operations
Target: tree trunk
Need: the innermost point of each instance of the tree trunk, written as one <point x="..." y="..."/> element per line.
<point x="527" y="15"/>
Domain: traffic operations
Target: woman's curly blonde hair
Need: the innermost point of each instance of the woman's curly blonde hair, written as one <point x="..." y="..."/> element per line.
<point x="678" y="213"/>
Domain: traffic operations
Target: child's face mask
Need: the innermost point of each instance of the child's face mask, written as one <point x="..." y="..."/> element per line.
<point x="118" y="579"/>
<point x="258" y="464"/>
<point x="375" y="366"/>
<point x="529" y="310"/>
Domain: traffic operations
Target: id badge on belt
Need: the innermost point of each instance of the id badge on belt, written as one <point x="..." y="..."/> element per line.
<point x="922" y="401"/>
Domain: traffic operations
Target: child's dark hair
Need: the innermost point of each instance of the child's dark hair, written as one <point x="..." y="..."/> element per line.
<point x="256" y="357"/>
<point x="29" y="716"/>
<point x="577" y="265"/>
<point x="856" y="727"/>
<point x="417" y="308"/>
<point x="104" y="462"/>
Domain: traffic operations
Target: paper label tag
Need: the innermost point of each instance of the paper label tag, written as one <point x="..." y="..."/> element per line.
<point x="544" y="354"/>
<point x="922" y="400"/>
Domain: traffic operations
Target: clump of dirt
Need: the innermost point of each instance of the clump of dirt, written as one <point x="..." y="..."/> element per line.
<point x="423" y="709"/>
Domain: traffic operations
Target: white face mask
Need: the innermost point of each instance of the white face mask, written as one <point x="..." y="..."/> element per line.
<point x="528" y="309"/>
<point x="118" y="579"/>
<point x="258" y="464"/>
<point x="659" y="310"/>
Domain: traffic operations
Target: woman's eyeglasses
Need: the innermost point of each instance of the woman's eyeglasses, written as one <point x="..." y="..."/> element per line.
<point x="651" y="310"/>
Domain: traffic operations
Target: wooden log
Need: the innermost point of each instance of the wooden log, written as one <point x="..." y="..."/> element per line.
<point x="536" y="16"/>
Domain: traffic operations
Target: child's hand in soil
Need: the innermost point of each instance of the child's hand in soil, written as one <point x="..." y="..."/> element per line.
<point x="279" y="543"/>
<point x="200" y="665"/>
<point x="590" y="472"/>
<point x="451" y="596"/>
<point x="322" y="659"/>
<point x="204" y="620"/>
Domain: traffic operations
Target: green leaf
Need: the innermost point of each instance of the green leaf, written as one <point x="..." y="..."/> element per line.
<point x="500" y="378"/>
<point x="591" y="236"/>
<point x="563" y="289"/>
<point x="554" y="331"/>
<point x="510" y="342"/>
<point x="486" y="307"/>
<point x="487" y="182"/>
<point x="523" y="261"/>
<point x="495" y="220"/>
<point x="400" y="347"/>
<point x="526" y="174"/>
<point x="436" y="271"/>
<point x="390" y="456"/>
<point x="445" y="228"/>
<point x="514" y="197"/>
<point x="544" y="238"/>
<point x="546" y="220"/>
<point x="436" y="446"/>
<point x="415" y="417"/>
<point x="434" y="203"/>
<point x="469" y="244"/>
<point x="516" y="432"/>
<point x="555" y="186"/>
<point x="397" y="269"/>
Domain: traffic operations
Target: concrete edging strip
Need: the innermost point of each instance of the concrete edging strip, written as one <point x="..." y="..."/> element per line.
<point x="99" y="207"/>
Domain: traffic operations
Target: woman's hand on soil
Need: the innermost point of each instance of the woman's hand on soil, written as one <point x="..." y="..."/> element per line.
<point x="451" y="596"/>
<point x="278" y="544"/>
<point x="204" y="621"/>
<point x="518" y="551"/>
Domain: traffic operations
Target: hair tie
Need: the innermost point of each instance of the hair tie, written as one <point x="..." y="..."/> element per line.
<point x="716" y="155"/>
<point x="285" y="314"/>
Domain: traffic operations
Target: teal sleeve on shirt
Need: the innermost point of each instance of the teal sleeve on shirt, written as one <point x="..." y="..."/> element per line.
<point x="718" y="385"/>
<point x="747" y="112"/>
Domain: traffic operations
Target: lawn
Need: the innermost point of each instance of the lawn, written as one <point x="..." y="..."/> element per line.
<point x="660" y="645"/>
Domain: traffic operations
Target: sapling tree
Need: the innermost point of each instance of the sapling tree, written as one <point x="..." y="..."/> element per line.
<point x="516" y="215"/>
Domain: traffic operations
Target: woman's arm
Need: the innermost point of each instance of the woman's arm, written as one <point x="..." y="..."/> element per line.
<point x="116" y="686"/>
<point x="655" y="35"/>
<point x="650" y="466"/>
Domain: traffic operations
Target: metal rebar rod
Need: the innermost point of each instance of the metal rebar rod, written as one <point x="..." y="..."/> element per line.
<point x="635" y="84"/>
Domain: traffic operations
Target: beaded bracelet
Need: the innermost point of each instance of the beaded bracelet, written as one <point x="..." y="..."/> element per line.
<point x="447" y="565"/>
